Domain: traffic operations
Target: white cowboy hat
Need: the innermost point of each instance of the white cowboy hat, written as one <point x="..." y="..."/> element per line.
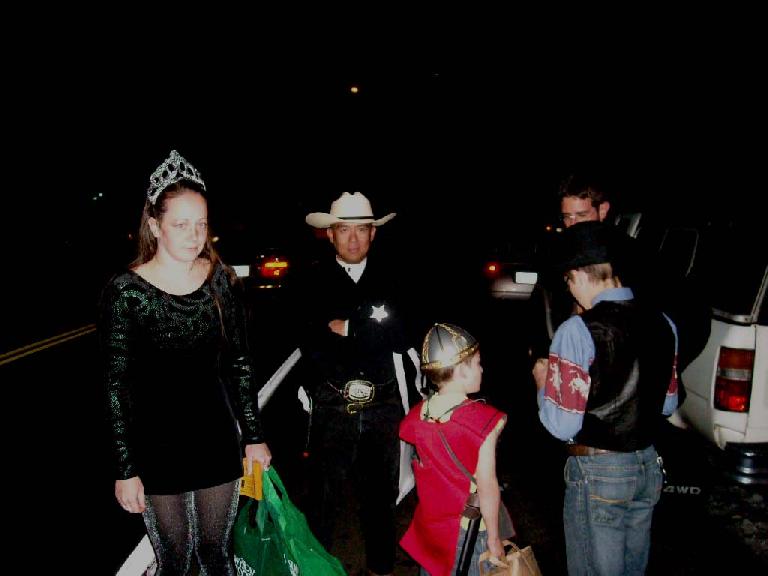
<point x="350" y="209"/>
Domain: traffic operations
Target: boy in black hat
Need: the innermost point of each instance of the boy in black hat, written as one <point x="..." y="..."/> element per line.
<point x="610" y="375"/>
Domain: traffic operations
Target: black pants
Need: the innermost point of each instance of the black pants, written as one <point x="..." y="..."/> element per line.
<point x="364" y="449"/>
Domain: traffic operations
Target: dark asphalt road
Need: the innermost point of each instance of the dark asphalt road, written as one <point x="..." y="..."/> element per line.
<point x="58" y="448"/>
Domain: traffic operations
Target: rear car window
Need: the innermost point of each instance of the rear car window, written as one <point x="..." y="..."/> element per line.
<point x="678" y="250"/>
<point x="730" y="265"/>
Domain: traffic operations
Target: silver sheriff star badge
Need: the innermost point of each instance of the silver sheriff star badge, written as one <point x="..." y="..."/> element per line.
<point x="378" y="313"/>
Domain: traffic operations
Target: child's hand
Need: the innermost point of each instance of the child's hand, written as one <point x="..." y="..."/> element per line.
<point x="496" y="548"/>
<point x="540" y="372"/>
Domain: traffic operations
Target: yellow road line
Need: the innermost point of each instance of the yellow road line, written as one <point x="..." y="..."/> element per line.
<point x="7" y="357"/>
<point x="40" y="342"/>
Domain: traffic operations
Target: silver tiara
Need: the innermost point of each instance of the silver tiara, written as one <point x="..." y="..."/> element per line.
<point x="174" y="168"/>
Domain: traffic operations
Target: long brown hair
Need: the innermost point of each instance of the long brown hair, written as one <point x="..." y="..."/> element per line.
<point x="147" y="243"/>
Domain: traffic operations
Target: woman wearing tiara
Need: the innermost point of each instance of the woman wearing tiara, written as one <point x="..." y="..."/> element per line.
<point x="179" y="379"/>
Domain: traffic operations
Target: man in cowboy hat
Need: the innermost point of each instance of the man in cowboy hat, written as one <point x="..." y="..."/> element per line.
<point x="609" y="380"/>
<point x="353" y="334"/>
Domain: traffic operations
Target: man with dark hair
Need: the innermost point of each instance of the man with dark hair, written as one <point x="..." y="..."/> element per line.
<point x="582" y="200"/>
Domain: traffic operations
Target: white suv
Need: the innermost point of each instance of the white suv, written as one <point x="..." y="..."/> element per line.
<point x="727" y="383"/>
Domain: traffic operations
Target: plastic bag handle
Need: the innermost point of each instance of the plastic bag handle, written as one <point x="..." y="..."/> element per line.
<point x="274" y="496"/>
<point x="272" y="475"/>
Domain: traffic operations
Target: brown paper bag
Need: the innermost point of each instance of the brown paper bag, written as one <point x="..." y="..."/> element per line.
<point x="517" y="563"/>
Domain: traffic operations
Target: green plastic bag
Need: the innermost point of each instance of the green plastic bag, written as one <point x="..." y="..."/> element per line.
<point x="278" y="541"/>
<point x="257" y="545"/>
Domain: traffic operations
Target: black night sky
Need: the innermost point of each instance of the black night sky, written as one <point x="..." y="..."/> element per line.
<point x="460" y="133"/>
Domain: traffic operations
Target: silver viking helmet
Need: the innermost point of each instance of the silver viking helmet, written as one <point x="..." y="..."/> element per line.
<point x="173" y="169"/>
<point x="446" y="345"/>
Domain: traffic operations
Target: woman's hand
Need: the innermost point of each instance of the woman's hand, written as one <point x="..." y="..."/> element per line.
<point x="130" y="494"/>
<point x="258" y="452"/>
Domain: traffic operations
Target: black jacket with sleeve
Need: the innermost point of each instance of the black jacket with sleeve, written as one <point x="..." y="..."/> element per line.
<point x="377" y="312"/>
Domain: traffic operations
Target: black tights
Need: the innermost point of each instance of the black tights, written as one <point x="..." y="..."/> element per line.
<point x="200" y="522"/>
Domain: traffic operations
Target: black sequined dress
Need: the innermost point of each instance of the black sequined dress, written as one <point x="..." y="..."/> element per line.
<point x="179" y="376"/>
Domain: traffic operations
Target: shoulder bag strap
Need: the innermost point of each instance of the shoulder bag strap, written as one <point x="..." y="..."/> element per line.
<point x="454" y="458"/>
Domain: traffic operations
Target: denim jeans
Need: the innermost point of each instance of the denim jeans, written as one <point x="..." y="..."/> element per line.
<point x="609" y="500"/>
<point x="481" y="545"/>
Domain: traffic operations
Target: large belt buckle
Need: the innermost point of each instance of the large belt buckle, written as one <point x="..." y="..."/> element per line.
<point x="358" y="393"/>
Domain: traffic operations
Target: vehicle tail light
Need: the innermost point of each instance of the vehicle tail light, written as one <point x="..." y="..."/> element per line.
<point x="733" y="383"/>
<point x="274" y="268"/>
<point x="492" y="269"/>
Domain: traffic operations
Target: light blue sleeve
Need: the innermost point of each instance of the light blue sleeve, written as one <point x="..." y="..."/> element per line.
<point x="561" y="424"/>
<point x="571" y="345"/>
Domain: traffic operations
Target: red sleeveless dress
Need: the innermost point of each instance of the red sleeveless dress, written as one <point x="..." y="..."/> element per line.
<point x="441" y="486"/>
